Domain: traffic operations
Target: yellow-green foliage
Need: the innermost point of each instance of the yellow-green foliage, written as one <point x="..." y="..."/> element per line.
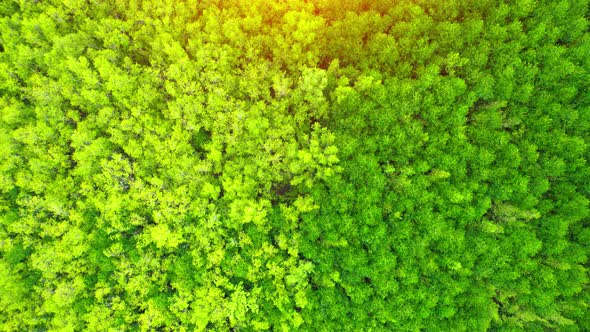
<point x="319" y="165"/>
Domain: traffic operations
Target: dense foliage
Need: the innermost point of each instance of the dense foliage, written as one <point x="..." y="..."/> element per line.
<point x="294" y="165"/>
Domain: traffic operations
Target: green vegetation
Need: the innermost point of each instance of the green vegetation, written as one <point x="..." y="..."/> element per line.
<point x="310" y="165"/>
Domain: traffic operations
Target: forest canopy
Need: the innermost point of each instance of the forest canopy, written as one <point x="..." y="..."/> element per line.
<point x="301" y="165"/>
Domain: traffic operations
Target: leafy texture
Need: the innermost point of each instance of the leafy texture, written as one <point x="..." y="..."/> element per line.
<point x="294" y="165"/>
